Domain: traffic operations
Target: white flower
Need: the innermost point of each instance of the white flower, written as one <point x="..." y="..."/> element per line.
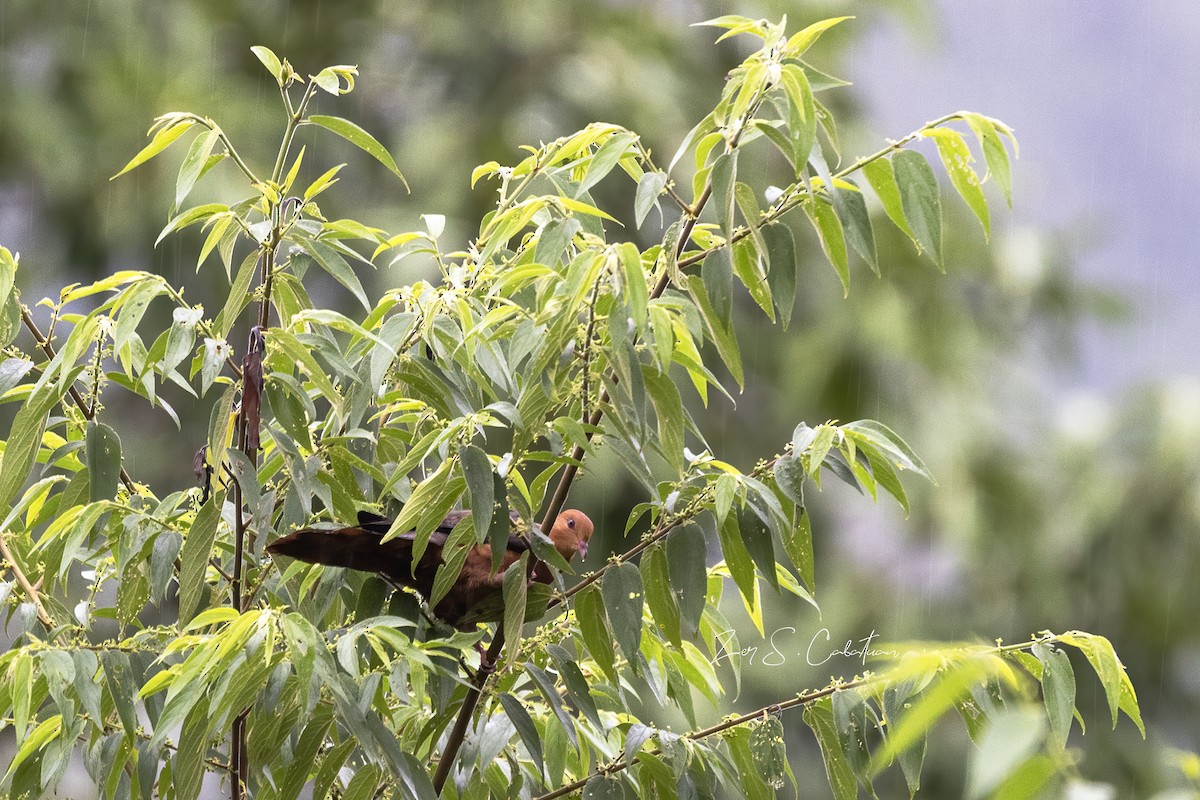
<point x="188" y="317"/>
<point x="435" y="224"/>
<point x="505" y="463"/>
<point x="772" y="193"/>
<point x="215" y="349"/>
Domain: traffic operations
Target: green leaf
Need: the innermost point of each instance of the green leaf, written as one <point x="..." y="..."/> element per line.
<point x="46" y="730"/>
<point x="193" y="164"/>
<point x="330" y="260"/>
<point x="912" y="758"/>
<point x="454" y="554"/>
<point x="800" y="42"/>
<point x="663" y="607"/>
<point x="191" y="217"/>
<point x="739" y="563"/>
<point x="649" y="187"/>
<point x="624" y="598"/>
<point x="103" y="459"/>
<point x="526" y="729"/>
<point x="781" y="270"/>
<point x="818" y="716"/>
<point x="600" y="164"/>
<point x="669" y="411"/>
<point x="882" y="177"/>
<point x="722" y="179"/>
<point x="717" y="272"/>
<point x="1008" y="741"/>
<point x="364" y="783"/>
<point x="769" y="751"/>
<point x="239" y="295"/>
<point x="23" y="441"/>
<point x="546" y="686"/>
<point x="581" y="207"/>
<point x="122" y="688"/>
<point x="994" y="153"/>
<point x="957" y="158"/>
<point x="686" y="561"/>
<point x="889" y="443"/>
<point x="722" y="336"/>
<point x="187" y="765"/>
<point x="593" y="626"/>
<point x="1118" y="689"/>
<point x="161" y="141"/>
<point x="636" y="293"/>
<point x="921" y="201"/>
<point x="851" y="720"/>
<point x="477" y="468"/>
<point x="194" y="555"/>
<point x="799" y="546"/>
<point x="270" y="61"/>
<point x="134" y="301"/>
<point x="577" y="685"/>
<point x="12" y="370"/>
<point x="852" y="211"/>
<point x="1058" y="690"/>
<point x="833" y="240"/>
<point x="748" y="266"/>
<point x="359" y="138"/>
<point x="757" y="538"/>
<point x="516" y="586"/>
<point x="802" y="115"/>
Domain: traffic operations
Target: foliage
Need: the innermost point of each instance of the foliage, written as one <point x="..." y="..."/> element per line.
<point x="547" y="340"/>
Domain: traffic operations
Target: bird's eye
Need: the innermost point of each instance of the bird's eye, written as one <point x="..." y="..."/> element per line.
<point x="570" y="523"/>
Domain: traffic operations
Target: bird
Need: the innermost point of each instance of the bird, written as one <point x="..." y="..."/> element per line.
<point x="477" y="594"/>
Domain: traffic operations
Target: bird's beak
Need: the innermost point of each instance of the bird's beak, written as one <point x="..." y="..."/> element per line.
<point x="583" y="550"/>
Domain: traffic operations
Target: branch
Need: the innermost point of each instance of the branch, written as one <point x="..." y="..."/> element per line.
<point x="799" y="700"/>
<point x="30" y="590"/>
<point x="797" y="195"/>
<point x="88" y="413"/>
<point x="229" y="148"/>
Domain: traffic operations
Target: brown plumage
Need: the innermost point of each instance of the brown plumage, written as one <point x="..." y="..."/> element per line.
<point x="476" y="595"/>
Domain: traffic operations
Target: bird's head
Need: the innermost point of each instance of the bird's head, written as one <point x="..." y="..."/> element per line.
<point x="570" y="534"/>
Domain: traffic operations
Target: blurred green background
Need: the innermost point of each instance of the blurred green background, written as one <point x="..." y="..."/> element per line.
<point x="1047" y="379"/>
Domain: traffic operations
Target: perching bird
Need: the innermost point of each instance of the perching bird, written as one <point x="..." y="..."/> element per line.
<point x="476" y="595"/>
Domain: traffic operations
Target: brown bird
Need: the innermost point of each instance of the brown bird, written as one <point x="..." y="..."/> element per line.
<point x="477" y="594"/>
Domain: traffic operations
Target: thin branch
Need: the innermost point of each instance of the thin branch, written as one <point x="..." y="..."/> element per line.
<point x="229" y="148"/>
<point x="797" y="195"/>
<point x="799" y="700"/>
<point x="294" y="119"/>
<point x="30" y="591"/>
<point x="88" y="413"/>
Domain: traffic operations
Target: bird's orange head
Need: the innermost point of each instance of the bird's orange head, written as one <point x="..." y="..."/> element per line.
<point x="571" y="532"/>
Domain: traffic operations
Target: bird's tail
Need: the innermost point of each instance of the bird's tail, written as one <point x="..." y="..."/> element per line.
<point x="345" y="547"/>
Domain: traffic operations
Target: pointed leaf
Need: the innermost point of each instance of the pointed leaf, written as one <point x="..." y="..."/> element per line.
<point x="957" y="158"/>
<point x="361" y="139"/>
<point x="833" y="240"/>
<point x="161" y="141"/>
<point x="103" y="459"/>
<point x="623" y="600"/>
<point x="921" y="200"/>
